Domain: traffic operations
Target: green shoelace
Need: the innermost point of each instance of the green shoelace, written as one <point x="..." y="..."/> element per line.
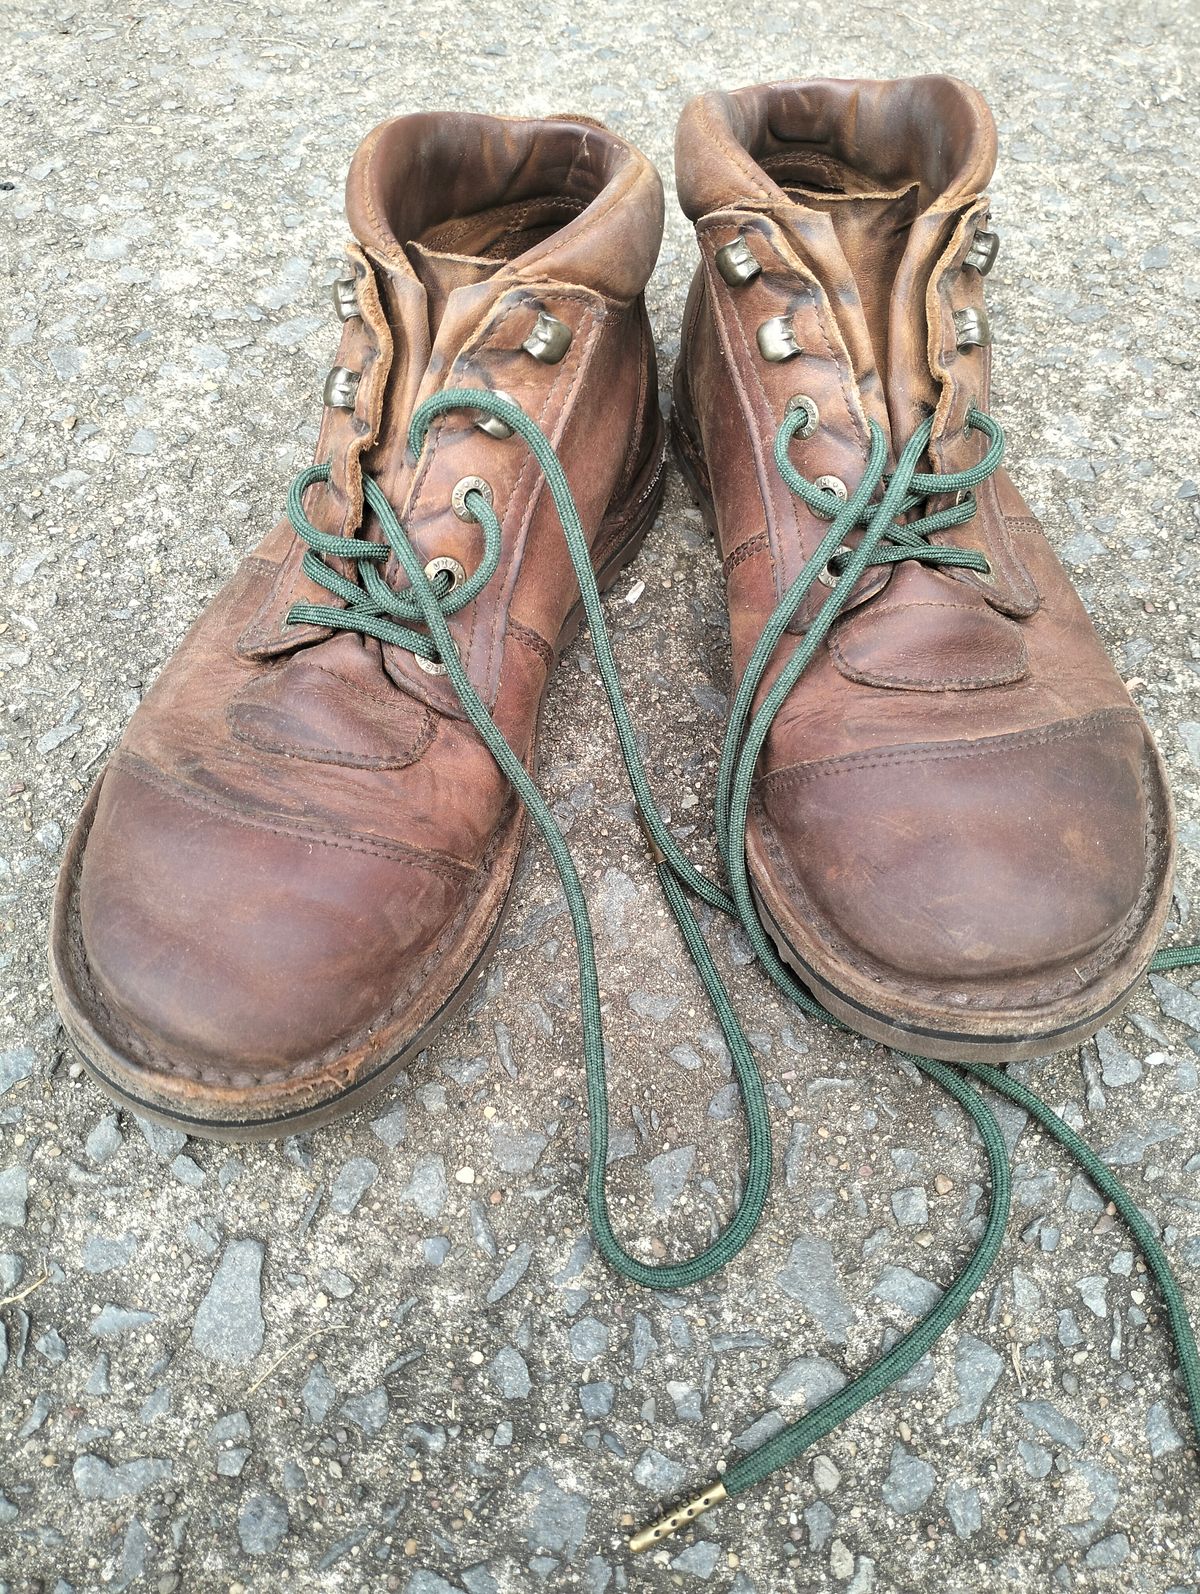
<point x="375" y="609"/>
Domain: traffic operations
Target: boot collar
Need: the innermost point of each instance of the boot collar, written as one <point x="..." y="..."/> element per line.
<point x="913" y="155"/>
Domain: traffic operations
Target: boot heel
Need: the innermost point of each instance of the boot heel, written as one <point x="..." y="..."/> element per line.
<point x="690" y="458"/>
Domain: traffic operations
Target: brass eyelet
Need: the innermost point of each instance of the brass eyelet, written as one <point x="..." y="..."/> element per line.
<point x="443" y="562"/>
<point x="777" y="339"/>
<point x="458" y="497"/>
<point x="834" y="485"/>
<point x="736" y="262"/>
<point x="812" y="415"/>
<point x="491" y="424"/>
<point x="830" y="577"/>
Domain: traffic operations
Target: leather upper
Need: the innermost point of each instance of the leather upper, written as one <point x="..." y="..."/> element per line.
<point x="297" y="822"/>
<point x="959" y="791"/>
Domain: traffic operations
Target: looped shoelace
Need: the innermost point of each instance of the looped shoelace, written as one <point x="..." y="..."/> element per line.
<point x="375" y="609"/>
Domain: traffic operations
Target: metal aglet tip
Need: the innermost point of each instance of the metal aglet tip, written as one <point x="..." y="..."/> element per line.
<point x="647" y="1538"/>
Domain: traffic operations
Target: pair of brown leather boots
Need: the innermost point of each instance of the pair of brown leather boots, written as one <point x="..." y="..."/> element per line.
<point x="938" y="799"/>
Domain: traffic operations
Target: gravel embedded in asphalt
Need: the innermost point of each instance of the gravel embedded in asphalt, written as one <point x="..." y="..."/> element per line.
<point x="338" y="1361"/>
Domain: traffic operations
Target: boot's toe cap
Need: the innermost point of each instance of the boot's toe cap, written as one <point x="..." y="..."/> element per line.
<point x="228" y="948"/>
<point x="990" y="864"/>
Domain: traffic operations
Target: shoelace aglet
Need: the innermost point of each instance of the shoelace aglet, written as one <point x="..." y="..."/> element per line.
<point x="647" y="1538"/>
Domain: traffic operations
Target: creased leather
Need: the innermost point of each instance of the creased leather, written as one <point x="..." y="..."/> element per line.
<point x="960" y="817"/>
<point x="296" y="859"/>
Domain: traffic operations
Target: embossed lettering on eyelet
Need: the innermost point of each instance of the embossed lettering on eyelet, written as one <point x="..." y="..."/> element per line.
<point x="812" y="415"/>
<point x="458" y="496"/>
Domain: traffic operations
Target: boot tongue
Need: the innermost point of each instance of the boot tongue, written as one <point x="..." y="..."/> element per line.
<point x="440" y="274"/>
<point x="869" y="178"/>
<point x="854" y="236"/>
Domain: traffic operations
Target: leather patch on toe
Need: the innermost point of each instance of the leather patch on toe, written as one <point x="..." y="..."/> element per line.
<point x="332" y="705"/>
<point x="929" y="646"/>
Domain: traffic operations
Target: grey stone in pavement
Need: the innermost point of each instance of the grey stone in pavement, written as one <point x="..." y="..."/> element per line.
<point x="668" y="1173"/>
<point x="16" y="1064"/>
<point x="977" y="1367"/>
<point x="901" y="1287"/>
<point x="555" y="1517"/>
<point x="1052" y="1424"/>
<point x="511" y="1274"/>
<point x="367" y="1411"/>
<point x="810" y="1278"/>
<point x="1161" y="1431"/>
<point x="510" y="1374"/>
<point x="112" y="1321"/>
<point x="262" y="1523"/>
<point x="909" y="1482"/>
<point x="588" y="1339"/>
<point x="353" y="1180"/>
<point x="659" y="1472"/>
<point x="809" y="1379"/>
<point x="698" y="1560"/>
<point x="164" y="1142"/>
<point x="96" y="1479"/>
<point x="14" y="1197"/>
<point x="966" y="1512"/>
<point x="104" y="1140"/>
<point x="228" y="1325"/>
<point x="427" y="1190"/>
<point x="911" y="1207"/>
<point x="102" y="1254"/>
<point x="318" y="1394"/>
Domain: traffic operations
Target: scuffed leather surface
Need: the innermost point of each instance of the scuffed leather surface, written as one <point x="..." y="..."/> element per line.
<point x="959" y="793"/>
<point x="299" y="845"/>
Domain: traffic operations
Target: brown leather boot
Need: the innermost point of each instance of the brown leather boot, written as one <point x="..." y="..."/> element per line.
<point x="295" y="864"/>
<point x="960" y="835"/>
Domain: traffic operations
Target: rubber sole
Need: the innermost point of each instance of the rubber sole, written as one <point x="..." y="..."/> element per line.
<point x="119" y="1079"/>
<point x="999" y="1044"/>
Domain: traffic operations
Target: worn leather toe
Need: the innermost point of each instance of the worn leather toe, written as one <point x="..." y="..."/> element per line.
<point x="234" y="947"/>
<point x="973" y="862"/>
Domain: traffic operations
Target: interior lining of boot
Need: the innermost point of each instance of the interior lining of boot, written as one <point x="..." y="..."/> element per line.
<point x="503" y="232"/>
<point x="871" y="224"/>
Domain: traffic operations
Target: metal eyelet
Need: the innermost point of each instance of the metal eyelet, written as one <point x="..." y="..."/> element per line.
<point x="345" y="298"/>
<point x="444" y="562"/>
<point x="457" y="574"/>
<point x="834" y="485"/>
<point x="549" y="340"/>
<point x="981" y="256"/>
<point x="736" y="263"/>
<point x="341" y="388"/>
<point x="972" y="329"/>
<point x="988" y="576"/>
<point x="829" y="577"/>
<point x="458" y="498"/>
<point x="777" y="339"/>
<point x="812" y="415"/>
<point x="492" y="424"/>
